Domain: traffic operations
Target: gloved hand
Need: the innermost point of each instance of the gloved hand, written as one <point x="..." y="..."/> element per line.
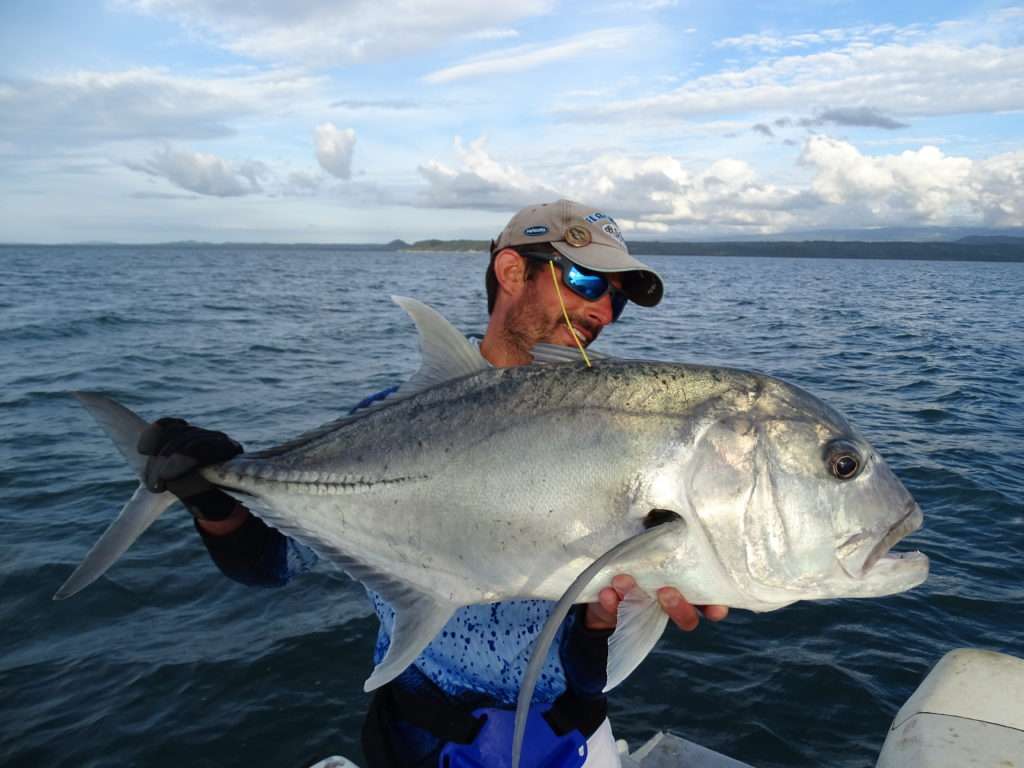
<point x="177" y="452"/>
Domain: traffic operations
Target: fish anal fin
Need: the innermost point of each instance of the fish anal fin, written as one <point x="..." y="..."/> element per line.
<point x="641" y="622"/>
<point x="419" y="615"/>
<point x="418" y="619"/>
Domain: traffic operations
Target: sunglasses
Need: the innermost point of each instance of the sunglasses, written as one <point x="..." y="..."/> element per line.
<point x="582" y="281"/>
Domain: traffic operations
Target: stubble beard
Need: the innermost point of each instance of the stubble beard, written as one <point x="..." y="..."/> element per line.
<point x="528" y="325"/>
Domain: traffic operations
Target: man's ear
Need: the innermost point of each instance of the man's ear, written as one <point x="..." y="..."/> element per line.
<point x="510" y="270"/>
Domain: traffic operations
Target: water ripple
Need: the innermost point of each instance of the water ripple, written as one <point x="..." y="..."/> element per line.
<point x="165" y="662"/>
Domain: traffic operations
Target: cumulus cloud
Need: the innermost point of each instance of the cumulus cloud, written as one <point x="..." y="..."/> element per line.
<point x="841" y="186"/>
<point x="999" y="185"/>
<point x="202" y="173"/>
<point x="88" y="107"/>
<point x="661" y="191"/>
<point x="327" y="32"/>
<point x="650" y="194"/>
<point x="923" y="186"/>
<point x="334" y="149"/>
<point x="524" y="57"/>
<point x="482" y="182"/>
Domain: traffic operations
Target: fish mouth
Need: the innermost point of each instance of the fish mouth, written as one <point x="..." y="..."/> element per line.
<point x="903" y="527"/>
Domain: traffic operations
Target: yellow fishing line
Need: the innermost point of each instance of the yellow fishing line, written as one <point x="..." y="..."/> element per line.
<point x="565" y="314"/>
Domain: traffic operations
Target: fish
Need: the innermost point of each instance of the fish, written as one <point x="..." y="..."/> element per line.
<point x="474" y="484"/>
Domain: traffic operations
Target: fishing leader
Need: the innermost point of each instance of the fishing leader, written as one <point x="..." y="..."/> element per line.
<point x="559" y="273"/>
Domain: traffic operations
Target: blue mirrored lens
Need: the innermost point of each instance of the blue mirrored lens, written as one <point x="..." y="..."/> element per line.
<point x="592" y="286"/>
<point x="589" y="285"/>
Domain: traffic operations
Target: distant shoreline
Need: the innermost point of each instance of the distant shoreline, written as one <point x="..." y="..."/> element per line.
<point x="975" y="248"/>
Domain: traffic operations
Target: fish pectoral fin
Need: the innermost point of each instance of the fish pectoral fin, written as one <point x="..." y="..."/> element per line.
<point x="418" y="619"/>
<point x="641" y="622"/>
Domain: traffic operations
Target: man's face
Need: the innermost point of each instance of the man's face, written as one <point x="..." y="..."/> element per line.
<point x="537" y="316"/>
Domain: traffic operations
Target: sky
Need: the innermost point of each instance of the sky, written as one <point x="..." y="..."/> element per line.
<point x="368" y="120"/>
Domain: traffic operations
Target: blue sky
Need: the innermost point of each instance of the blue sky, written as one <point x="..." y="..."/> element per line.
<point x="364" y="120"/>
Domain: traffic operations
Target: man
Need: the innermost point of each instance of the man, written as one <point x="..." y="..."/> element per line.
<point x="559" y="274"/>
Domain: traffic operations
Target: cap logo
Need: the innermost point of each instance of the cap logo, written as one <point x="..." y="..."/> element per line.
<point x="535" y="231"/>
<point x="612" y="230"/>
<point x="596" y="216"/>
<point x="577" y="236"/>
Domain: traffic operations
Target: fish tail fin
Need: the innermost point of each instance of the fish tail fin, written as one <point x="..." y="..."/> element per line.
<point x="124" y="428"/>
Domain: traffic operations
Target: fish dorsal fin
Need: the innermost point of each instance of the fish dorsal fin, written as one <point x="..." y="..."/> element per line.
<point x="553" y="353"/>
<point x="447" y="354"/>
<point x="639" y="625"/>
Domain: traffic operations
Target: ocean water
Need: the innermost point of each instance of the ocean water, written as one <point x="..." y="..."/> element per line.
<point x="164" y="662"/>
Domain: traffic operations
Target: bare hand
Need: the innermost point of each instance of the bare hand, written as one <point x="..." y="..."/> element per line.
<point x="604" y="613"/>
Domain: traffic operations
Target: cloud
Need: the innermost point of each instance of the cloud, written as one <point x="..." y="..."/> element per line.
<point x="202" y="173"/>
<point x="650" y="194"/>
<point x="923" y="186"/>
<point x="482" y="182"/>
<point x="334" y="149"/>
<point x="634" y="6"/>
<point x="326" y="32"/>
<point x="396" y="105"/>
<point x="840" y="186"/>
<point x="999" y="184"/>
<point x="773" y="43"/>
<point x="859" y="116"/>
<point x="662" y="191"/>
<point x="524" y="57"/>
<point x="763" y="129"/>
<point x="162" y="196"/>
<point x="909" y="73"/>
<point x="304" y="183"/>
<point x="90" y="107"/>
<point x="493" y="33"/>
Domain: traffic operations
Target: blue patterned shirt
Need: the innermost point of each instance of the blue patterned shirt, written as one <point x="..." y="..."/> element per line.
<point x="481" y="653"/>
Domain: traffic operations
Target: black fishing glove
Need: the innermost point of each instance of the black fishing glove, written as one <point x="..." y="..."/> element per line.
<point x="177" y="452"/>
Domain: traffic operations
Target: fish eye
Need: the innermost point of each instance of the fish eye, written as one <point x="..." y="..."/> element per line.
<point x="844" y="459"/>
<point x="844" y="462"/>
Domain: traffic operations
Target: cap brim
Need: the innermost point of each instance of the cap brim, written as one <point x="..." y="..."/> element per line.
<point x="640" y="283"/>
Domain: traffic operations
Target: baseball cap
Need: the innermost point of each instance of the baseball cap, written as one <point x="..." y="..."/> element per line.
<point x="585" y="236"/>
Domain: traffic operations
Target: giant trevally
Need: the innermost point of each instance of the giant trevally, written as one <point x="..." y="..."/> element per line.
<point x="477" y="484"/>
